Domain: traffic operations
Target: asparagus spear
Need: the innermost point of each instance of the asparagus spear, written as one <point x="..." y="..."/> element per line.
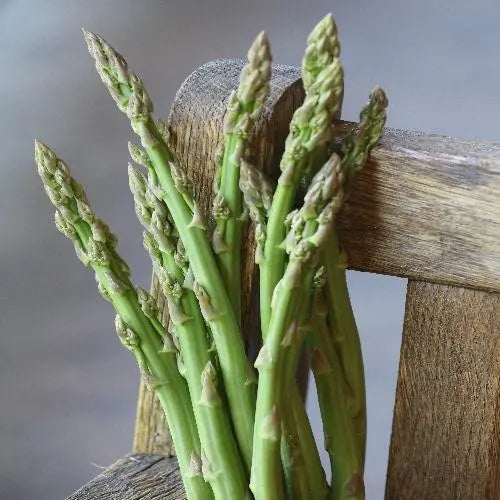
<point x="355" y="151"/>
<point x="131" y="97"/>
<point x="321" y="203"/>
<point x="243" y="109"/>
<point x="223" y="467"/>
<point x="304" y="473"/>
<point x="137" y="326"/>
<point x="309" y="130"/>
<point x="340" y="437"/>
<point x="324" y="47"/>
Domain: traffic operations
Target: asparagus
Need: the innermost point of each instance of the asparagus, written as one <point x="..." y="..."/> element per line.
<point x="137" y="325"/>
<point x="304" y="477"/>
<point x="355" y="151"/>
<point x="222" y="463"/>
<point x="321" y="203"/>
<point x="131" y="97"/>
<point x="243" y="109"/>
<point x="340" y="438"/>
<point x="258" y="195"/>
<point x="322" y="49"/>
<point x="309" y="130"/>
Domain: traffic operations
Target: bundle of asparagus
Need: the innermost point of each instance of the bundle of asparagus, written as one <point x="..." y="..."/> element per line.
<point x="235" y="434"/>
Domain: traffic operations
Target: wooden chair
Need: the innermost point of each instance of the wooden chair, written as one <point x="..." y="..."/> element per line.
<point x="426" y="208"/>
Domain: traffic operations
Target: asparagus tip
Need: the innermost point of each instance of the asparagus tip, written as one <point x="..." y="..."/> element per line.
<point x="379" y="96"/>
<point x="260" y="50"/>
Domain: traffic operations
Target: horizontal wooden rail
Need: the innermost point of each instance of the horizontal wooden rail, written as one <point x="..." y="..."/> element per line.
<point x="427" y="207"/>
<point x="133" y="477"/>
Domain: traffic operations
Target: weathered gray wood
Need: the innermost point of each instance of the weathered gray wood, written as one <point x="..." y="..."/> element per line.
<point x="195" y="123"/>
<point x="446" y="431"/>
<point x="427" y="207"/>
<point x="133" y="477"/>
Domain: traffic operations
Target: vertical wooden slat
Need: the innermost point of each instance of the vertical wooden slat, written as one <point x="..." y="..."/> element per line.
<point x="446" y="430"/>
<point x="195" y="124"/>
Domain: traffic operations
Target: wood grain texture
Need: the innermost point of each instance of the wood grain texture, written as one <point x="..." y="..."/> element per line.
<point x="446" y="430"/>
<point x="427" y="207"/>
<point x="136" y="476"/>
<point x="195" y="124"/>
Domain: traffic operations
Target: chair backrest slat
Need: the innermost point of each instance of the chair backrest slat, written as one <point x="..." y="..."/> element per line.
<point x="446" y="428"/>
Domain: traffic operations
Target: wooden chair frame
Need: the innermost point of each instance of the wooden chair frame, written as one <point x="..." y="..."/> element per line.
<point x="426" y="208"/>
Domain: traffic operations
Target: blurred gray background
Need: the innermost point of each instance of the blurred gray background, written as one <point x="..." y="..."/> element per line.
<point x="67" y="388"/>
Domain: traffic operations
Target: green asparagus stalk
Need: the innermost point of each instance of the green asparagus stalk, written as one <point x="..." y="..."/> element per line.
<point x="309" y="130"/>
<point x="243" y="109"/>
<point x="222" y="465"/>
<point x="355" y="151"/>
<point x="304" y="475"/>
<point x="340" y="438"/>
<point x="137" y="325"/>
<point x="321" y="203"/>
<point x="323" y="47"/>
<point x="130" y="95"/>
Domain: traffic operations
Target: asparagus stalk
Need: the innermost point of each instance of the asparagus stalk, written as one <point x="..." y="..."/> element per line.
<point x="321" y="202"/>
<point x="137" y="325"/>
<point x="302" y="464"/>
<point x="340" y="437"/>
<point x="309" y="130"/>
<point x="222" y="464"/>
<point x="355" y="151"/>
<point x="131" y="97"/>
<point x="304" y="475"/>
<point x="243" y="109"/>
<point x="323" y="47"/>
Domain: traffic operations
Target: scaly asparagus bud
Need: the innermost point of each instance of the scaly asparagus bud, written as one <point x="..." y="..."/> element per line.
<point x="322" y="48"/>
<point x="358" y="145"/>
<point x="137" y="331"/>
<point x="257" y="194"/>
